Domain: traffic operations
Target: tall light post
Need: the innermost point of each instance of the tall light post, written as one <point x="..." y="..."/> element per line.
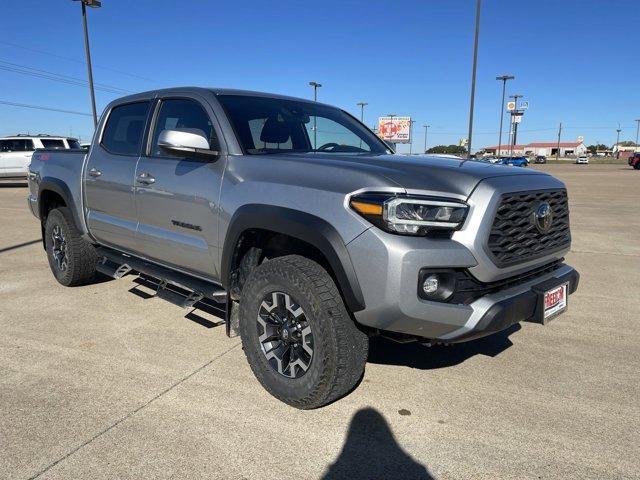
<point x="618" y="142"/>
<point x="504" y="79"/>
<point x="514" y="125"/>
<point x="92" y="4"/>
<point x="362" y="105"/>
<point x="637" y="132"/>
<point x="473" y="77"/>
<point x="315" y="86"/>
<point x="425" y="136"/>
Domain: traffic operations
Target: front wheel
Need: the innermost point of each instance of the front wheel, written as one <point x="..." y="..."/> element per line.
<point x="299" y="339"/>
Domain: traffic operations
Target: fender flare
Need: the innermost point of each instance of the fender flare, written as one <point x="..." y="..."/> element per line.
<point x="58" y="186"/>
<point x="303" y="226"/>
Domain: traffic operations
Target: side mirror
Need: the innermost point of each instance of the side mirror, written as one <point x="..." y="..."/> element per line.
<point x="187" y="140"/>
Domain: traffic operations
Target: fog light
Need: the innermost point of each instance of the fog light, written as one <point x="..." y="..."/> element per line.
<point x="430" y="284"/>
<point x="437" y="285"/>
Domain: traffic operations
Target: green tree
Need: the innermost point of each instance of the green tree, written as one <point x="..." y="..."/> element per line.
<point x="450" y="149"/>
<point x="593" y="148"/>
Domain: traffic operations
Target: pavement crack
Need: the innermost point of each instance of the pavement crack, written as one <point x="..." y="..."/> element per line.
<point x="132" y="413"/>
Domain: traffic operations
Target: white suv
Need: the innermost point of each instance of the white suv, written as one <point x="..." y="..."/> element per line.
<point x="15" y="151"/>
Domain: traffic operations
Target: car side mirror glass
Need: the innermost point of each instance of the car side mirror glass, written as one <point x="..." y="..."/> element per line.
<point x="190" y="141"/>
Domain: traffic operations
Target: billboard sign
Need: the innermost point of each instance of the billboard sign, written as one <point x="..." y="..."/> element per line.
<point x="395" y="129"/>
<point x="511" y="106"/>
<point x="524" y="105"/>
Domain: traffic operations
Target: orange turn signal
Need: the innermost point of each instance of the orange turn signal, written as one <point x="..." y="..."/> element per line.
<point x="366" y="208"/>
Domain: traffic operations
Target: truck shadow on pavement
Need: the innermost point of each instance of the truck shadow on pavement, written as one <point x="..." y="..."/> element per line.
<point x="371" y="452"/>
<point x="415" y="355"/>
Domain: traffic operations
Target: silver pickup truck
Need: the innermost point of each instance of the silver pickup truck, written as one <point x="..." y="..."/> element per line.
<point x="308" y="231"/>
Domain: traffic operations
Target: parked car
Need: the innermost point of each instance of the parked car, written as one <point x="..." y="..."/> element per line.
<point x="16" y="151"/>
<point x="515" y="161"/>
<point x="540" y="159"/>
<point x="634" y="160"/>
<point x="582" y="160"/>
<point x="310" y="239"/>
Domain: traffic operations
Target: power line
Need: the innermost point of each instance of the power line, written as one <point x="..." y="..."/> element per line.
<point x="56" y="77"/>
<point x="40" y="107"/>
<point x="75" y="60"/>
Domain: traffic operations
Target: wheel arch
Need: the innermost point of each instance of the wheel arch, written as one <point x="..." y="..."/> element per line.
<point x="302" y="226"/>
<point x="53" y="192"/>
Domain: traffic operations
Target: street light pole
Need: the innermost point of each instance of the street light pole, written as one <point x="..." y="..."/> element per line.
<point x="513" y="125"/>
<point x="92" y="4"/>
<point x="618" y="142"/>
<point x="315" y="86"/>
<point x="362" y="105"/>
<point x="473" y="77"/>
<point x="504" y="79"/>
<point x="425" y="137"/>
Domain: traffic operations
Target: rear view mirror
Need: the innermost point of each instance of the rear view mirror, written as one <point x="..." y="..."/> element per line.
<point x="186" y="140"/>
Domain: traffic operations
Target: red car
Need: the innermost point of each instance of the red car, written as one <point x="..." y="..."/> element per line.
<point x="634" y="160"/>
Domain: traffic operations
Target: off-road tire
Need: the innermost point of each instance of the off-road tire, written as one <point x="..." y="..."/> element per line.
<point x="80" y="255"/>
<point x="340" y="348"/>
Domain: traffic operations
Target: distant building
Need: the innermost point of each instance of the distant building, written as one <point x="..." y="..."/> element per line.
<point x="505" y="150"/>
<point x="548" y="149"/>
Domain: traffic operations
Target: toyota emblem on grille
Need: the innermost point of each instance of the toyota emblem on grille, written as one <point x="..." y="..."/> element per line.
<point x="543" y="217"/>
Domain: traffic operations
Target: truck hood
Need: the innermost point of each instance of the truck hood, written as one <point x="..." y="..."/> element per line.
<point x="419" y="172"/>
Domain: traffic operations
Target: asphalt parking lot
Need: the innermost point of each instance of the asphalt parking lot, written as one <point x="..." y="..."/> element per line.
<point x="99" y="382"/>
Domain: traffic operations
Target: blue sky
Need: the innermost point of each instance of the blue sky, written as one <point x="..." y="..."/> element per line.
<point x="577" y="62"/>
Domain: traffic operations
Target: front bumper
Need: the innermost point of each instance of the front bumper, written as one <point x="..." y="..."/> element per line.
<point x="388" y="266"/>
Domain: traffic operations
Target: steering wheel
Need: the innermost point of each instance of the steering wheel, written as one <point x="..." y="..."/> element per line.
<point x="327" y="146"/>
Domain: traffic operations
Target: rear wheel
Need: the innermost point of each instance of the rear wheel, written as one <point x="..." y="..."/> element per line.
<point x="298" y="337"/>
<point x="71" y="258"/>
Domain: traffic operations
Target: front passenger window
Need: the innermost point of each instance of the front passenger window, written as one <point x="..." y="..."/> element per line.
<point x="182" y="114"/>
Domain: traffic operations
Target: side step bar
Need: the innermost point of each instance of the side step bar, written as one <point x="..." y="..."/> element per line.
<point x="190" y="290"/>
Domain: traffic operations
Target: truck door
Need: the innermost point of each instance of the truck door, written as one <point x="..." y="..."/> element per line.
<point x="109" y="176"/>
<point x="177" y="196"/>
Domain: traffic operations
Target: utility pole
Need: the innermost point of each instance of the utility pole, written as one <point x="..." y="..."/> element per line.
<point x="315" y="86"/>
<point x="618" y="142"/>
<point x="473" y="77"/>
<point x="504" y="79"/>
<point x="637" y="132"/>
<point x="558" y="146"/>
<point x="362" y="105"/>
<point x="425" y="136"/>
<point x="513" y="123"/>
<point x="92" y="4"/>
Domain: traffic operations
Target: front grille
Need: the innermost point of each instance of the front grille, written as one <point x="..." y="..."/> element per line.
<point x="514" y="237"/>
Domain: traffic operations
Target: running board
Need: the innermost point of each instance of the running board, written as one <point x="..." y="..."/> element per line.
<point x="190" y="290"/>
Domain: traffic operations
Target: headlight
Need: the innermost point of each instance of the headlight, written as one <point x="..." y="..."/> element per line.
<point x="410" y="215"/>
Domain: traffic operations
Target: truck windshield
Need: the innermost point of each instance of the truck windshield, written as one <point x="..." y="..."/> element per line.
<point x="274" y="125"/>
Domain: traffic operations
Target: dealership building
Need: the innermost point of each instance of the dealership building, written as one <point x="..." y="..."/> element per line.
<point x="548" y="149"/>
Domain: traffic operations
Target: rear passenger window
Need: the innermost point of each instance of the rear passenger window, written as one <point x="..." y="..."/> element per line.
<point x="125" y="128"/>
<point x="17" y="145"/>
<point x="56" y="144"/>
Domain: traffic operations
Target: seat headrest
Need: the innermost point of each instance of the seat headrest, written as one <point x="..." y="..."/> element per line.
<point x="275" y="131"/>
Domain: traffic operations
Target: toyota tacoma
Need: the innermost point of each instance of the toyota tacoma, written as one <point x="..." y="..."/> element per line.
<point x="305" y="228"/>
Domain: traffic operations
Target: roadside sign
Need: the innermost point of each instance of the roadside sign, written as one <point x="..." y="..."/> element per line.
<point x="511" y="106"/>
<point x="517" y="117"/>
<point x="524" y="105"/>
<point x="395" y="129"/>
